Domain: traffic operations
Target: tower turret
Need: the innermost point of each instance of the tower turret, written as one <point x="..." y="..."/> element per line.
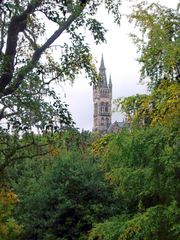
<point x="102" y="97"/>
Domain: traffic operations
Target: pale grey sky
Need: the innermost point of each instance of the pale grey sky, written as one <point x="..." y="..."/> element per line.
<point x="120" y="61"/>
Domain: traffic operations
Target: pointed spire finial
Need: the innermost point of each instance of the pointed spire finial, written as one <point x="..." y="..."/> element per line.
<point x="102" y="66"/>
<point x="102" y="73"/>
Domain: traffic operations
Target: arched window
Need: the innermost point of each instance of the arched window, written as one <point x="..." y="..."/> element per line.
<point x="102" y="107"/>
<point x="107" y="107"/>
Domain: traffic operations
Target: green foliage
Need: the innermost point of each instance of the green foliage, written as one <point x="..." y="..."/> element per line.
<point x="135" y="108"/>
<point x="128" y="188"/>
<point x="159" y="45"/>
<point x="122" y="186"/>
<point x="100" y="143"/>
<point x="152" y="224"/>
<point x="63" y="195"/>
<point x="109" y="229"/>
<point x="15" y="148"/>
<point x="142" y="167"/>
<point x="161" y="106"/>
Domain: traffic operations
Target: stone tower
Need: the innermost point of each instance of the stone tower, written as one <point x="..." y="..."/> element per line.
<point x="102" y="97"/>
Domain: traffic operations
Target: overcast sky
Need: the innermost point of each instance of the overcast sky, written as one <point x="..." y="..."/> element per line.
<point x="120" y="61"/>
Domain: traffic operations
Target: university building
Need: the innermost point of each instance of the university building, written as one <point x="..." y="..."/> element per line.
<point x="102" y="100"/>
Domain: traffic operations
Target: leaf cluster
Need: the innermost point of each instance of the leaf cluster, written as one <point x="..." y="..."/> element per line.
<point x="158" y="42"/>
<point x="161" y="106"/>
<point x="9" y="228"/>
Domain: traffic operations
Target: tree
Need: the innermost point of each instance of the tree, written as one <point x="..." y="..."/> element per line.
<point x="159" y="47"/>
<point x="142" y="167"/>
<point x="159" y="44"/>
<point x="161" y="106"/>
<point x="27" y="61"/>
<point x="136" y="109"/>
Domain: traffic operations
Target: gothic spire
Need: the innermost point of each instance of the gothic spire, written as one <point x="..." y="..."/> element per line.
<point x="102" y="73"/>
<point x="102" y="66"/>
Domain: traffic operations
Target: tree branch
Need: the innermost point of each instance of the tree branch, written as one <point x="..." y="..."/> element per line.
<point x="31" y="40"/>
<point x="2" y="112"/>
<point x="2" y="18"/>
<point x="6" y="115"/>
<point x="37" y="54"/>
